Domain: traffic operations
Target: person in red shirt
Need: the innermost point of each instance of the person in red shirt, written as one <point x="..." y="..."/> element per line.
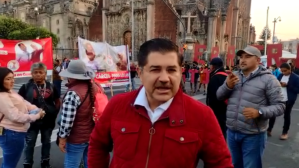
<point x="157" y="126"/>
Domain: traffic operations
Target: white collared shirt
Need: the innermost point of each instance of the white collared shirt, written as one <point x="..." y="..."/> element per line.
<point x="141" y="100"/>
<point x="285" y="79"/>
<point x="23" y="57"/>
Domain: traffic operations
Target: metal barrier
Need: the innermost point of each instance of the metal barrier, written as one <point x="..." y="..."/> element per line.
<point x="65" y="53"/>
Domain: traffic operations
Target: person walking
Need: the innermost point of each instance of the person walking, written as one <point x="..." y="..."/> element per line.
<point x="158" y="125"/>
<point x="289" y="82"/>
<point x="217" y="78"/>
<point x="15" y="116"/>
<point x="254" y="96"/>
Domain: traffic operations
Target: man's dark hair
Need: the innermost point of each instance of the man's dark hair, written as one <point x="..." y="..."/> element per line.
<point x="156" y="45"/>
<point x="286" y="66"/>
<point x="20" y="44"/>
<point x="3" y="73"/>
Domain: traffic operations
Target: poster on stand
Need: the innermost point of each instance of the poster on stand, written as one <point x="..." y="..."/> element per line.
<point x="19" y="55"/>
<point x="110" y="63"/>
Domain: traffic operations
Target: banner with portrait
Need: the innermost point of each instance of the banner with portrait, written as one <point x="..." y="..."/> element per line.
<point x="109" y="62"/>
<point x="19" y="55"/>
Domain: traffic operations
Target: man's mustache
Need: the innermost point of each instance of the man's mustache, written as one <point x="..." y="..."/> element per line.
<point x="161" y="85"/>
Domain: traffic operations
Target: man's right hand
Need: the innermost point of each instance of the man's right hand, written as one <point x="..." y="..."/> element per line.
<point x="232" y="80"/>
<point x="41" y="114"/>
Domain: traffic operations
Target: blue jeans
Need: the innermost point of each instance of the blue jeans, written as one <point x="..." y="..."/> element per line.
<point x="12" y="144"/>
<point x="31" y="137"/>
<point x="74" y="155"/>
<point x="246" y="149"/>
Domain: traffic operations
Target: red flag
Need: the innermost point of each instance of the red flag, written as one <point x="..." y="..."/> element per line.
<point x="274" y="51"/>
<point x="214" y="52"/>
<point x="230" y="56"/>
<point x="260" y="47"/>
<point x="198" y="51"/>
<point x="297" y="58"/>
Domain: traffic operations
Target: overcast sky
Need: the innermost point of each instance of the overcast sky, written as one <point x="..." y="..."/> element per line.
<point x="288" y="10"/>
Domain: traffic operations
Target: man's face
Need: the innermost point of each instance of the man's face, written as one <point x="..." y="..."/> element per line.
<point x="161" y="76"/>
<point x="248" y="62"/>
<point x="212" y="68"/>
<point x="39" y="75"/>
<point x="23" y="47"/>
<point x="90" y="52"/>
<point x="285" y="71"/>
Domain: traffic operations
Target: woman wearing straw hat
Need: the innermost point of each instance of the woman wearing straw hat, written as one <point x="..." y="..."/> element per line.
<point x="77" y="113"/>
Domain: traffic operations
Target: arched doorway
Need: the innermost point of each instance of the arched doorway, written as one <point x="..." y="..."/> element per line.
<point x="128" y="39"/>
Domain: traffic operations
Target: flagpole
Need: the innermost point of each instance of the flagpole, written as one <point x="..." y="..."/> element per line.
<point x="266" y="33"/>
<point x="132" y="33"/>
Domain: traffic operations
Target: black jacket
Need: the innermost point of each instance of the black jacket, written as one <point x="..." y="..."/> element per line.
<point x="292" y="87"/>
<point x="219" y="107"/>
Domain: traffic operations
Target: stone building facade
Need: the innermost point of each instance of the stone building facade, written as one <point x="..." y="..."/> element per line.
<point x="152" y="18"/>
<point x="211" y="22"/>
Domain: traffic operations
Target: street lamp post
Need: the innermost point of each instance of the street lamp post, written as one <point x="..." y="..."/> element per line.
<point x="275" y="20"/>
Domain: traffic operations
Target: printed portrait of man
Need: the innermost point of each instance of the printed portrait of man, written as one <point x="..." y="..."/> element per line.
<point x="24" y="55"/>
<point x="90" y="55"/>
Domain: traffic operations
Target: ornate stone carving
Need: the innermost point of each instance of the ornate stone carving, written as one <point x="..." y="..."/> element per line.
<point x="49" y="9"/>
<point x="65" y="6"/>
<point x="78" y="29"/>
<point x="119" y="25"/>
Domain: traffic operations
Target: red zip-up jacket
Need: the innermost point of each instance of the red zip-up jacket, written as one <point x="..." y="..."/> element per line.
<point x="186" y="132"/>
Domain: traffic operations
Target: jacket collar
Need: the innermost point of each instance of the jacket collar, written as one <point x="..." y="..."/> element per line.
<point x="175" y="113"/>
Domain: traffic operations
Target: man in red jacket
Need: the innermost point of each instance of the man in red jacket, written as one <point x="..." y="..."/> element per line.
<point x="158" y="126"/>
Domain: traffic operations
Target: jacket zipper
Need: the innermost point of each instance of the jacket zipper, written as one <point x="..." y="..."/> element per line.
<point x="151" y="132"/>
<point x="236" y="123"/>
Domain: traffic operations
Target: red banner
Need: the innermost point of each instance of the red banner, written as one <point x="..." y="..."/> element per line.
<point x="297" y="58"/>
<point x="198" y="51"/>
<point x="274" y="51"/>
<point x="260" y="47"/>
<point x="19" y="55"/>
<point x="230" y="55"/>
<point x="214" y="52"/>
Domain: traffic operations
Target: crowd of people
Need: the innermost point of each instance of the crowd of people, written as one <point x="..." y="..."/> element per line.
<point x="156" y="125"/>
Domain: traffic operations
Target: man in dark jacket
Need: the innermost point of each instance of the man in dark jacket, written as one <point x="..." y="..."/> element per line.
<point x="217" y="78"/>
<point x="44" y="95"/>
